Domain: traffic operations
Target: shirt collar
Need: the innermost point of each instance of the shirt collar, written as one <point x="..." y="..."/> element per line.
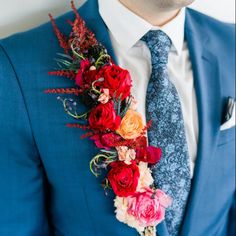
<point x="124" y="23"/>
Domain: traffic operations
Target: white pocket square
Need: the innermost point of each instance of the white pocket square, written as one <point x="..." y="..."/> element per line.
<point x="230" y="123"/>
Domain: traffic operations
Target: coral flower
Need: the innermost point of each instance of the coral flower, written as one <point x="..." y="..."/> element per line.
<point x="131" y="126"/>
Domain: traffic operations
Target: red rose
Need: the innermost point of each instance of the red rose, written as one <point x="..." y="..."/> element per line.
<point x="103" y="117"/>
<point x="123" y="178"/>
<point x="85" y="75"/>
<point x="116" y="79"/>
<point x="149" y="154"/>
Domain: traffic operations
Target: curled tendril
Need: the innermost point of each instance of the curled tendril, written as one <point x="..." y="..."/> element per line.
<point x="101" y="161"/>
<point x="93" y="88"/>
<point x="70" y="108"/>
<point x="99" y="60"/>
<point x="73" y="48"/>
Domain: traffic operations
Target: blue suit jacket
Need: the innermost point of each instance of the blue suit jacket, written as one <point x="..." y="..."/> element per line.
<point x="46" y="187"/>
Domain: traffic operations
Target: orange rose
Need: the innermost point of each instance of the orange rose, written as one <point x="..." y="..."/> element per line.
<point x="131" y="125"/>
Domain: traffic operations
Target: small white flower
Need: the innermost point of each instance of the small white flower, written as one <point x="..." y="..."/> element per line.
<point x="92" y="68"/>
<point x="145" y="179"/>
<point x="125" y="154"/>
<point x="104" y="96"/>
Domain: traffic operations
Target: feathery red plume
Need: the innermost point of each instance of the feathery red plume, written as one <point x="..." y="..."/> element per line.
<point x="74" y="91"/>
<point x="64" y="73"/>
<point x="61" y="38"/>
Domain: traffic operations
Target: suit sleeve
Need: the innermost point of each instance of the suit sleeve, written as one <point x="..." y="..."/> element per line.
<point x="22" y="179"/>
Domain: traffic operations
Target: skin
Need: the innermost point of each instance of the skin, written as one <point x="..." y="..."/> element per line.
<point x="156" y="12"/>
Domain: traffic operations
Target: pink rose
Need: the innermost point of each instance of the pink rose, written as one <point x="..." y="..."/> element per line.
<point x="148" y="207"/>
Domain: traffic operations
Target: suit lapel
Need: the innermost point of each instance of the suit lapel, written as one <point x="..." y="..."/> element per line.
<point x="207" y="86"/>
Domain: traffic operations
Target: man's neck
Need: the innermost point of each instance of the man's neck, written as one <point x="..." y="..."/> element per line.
<point x="156" y="17"/>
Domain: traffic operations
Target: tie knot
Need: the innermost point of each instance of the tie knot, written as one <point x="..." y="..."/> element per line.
<point x="159" y="45"/>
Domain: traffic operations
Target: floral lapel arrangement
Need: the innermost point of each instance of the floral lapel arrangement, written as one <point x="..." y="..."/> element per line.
<point x="114" y="125"/>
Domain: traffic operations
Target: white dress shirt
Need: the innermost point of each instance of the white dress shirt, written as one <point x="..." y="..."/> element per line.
<point x="126" y="29"/>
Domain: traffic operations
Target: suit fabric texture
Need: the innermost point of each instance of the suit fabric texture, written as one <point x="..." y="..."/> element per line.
<point x="46" y="187"/>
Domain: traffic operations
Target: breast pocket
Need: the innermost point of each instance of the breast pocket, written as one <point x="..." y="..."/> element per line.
<point x="226" y="137"/>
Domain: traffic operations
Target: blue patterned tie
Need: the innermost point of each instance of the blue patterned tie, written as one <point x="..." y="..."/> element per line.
<point x="172" y="173"/>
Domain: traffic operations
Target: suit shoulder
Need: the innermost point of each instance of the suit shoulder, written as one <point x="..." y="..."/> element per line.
<point x="38" y="38"/>
<point x="214" y="26"/>
<point x="221" y="34"/>
<point x="207" y="18"/>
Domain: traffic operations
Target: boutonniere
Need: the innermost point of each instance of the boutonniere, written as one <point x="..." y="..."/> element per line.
<point x="113" y="124"/>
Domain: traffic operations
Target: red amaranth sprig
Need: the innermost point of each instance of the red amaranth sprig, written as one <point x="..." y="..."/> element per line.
<point x="76" y="13"/>
<point x="84" y="127"/>
<point x="87" y="135"/>
<point x="61" y="38"/>
<point x="65" y="73"/>
<point x="148" y="125"/>
<point x="74" y="91"/>
<point x="86" y="37"/>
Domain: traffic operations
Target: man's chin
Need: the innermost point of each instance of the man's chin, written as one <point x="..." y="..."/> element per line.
<point x="168" y="5"/>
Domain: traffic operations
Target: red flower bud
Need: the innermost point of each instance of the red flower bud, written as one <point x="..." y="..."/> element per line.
<point x="149" y="154"/>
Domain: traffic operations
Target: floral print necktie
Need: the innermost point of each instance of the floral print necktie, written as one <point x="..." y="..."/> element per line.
<point x="163" y="107"/>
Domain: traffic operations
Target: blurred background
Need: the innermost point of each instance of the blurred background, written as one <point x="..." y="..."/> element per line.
<point x="20" y="15"/>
